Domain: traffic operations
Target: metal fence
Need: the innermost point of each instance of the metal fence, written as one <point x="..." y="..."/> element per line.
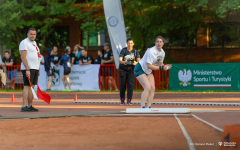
<point x="109" y="70"/>
<point x="108" y="76"/>
<point x="14" y="79"/>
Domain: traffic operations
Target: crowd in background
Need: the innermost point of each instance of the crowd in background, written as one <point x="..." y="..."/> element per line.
<point x="79" y="56"/>
<point x="53" y="58"/>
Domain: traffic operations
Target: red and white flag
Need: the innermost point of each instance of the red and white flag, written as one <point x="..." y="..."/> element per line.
<point x="34" y="94"/>
<point x="40" y="94"/>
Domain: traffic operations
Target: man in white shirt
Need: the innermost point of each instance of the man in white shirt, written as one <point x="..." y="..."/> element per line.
<point x="31" y="57"/>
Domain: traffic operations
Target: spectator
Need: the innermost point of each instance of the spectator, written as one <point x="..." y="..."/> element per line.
<point x="85" y="58"/>
<point x="1" y="71"/>
<point x="108" y="59"/>
<point x="55" y="56"/>
<point x="2" y="78"/>
<point x="0" y="61"/>
<point x="11" y="72"/>
<point x="66" y="61"/>
<point x="71" y="54"/>
<point x="128" y="58"/>
<point x="49" y="68"/>
<point x="77" y="52"/>
<point x="98" y="61"/>
<point x="99" y="58"/>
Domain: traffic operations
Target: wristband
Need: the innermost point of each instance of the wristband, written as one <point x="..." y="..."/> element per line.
<point x="161" y="67"/>
<point x="28" y="70"/>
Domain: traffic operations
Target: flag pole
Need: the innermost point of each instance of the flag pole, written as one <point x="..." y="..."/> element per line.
<point x="33" y="92"/>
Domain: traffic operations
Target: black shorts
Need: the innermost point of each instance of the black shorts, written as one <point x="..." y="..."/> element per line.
<point x="67" y="71"/>
<point x="33" y="77"/>
<point x="106" y="71"/>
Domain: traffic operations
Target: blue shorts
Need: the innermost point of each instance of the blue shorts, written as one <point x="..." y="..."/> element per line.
<point x="49" y="75"/>
<point x="138" y="70"/>
<point x="11" y="74"/>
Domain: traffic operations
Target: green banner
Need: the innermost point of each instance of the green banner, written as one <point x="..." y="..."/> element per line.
<point x="205" y="77"/>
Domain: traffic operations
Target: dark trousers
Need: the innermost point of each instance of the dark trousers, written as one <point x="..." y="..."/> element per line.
<point x="126" y="77"/>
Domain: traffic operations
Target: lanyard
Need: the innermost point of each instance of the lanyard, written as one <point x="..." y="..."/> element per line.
<point x="39" y="56"/>
<point x="35" y="46"/>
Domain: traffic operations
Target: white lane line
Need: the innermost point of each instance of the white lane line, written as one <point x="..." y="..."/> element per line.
<point x="166" y="103"/>
<point x="208" y="123"/>
<point x="171" y="115"/>
<point x="205" y="110"/>
<point x="189" y="140"/>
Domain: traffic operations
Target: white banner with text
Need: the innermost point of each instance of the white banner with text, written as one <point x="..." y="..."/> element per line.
<point x="82" y="78"/>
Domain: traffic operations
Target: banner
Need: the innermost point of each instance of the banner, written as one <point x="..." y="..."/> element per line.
<point x="116" y="27"/>
<point x="205" y="77"/>
<point x="82" y="78"/>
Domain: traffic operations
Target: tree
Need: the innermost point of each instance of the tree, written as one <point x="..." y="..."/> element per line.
<point x="226" y="29"/>
<point x="93" y="19"/>
<point x="223" y="30"/>
<point x="172" y="19"/>
<point x="17" y="16"/>
<point x="176" y="20"/>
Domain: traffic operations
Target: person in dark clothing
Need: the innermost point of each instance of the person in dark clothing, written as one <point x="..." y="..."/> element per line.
<point x="99" y="58"/>
<point x="98" y="61"/>
<point x="49" y="67"/>
<point x="77" y="51"/>
<point x="71" y="54"/>
<point x="11" y="72"/>
<point x="55" y="56"/>
<point x="66" y="61"/>
<point x="85" y="58"/>
<point x="108" y="70"/>
<point x="128" y="58"/>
